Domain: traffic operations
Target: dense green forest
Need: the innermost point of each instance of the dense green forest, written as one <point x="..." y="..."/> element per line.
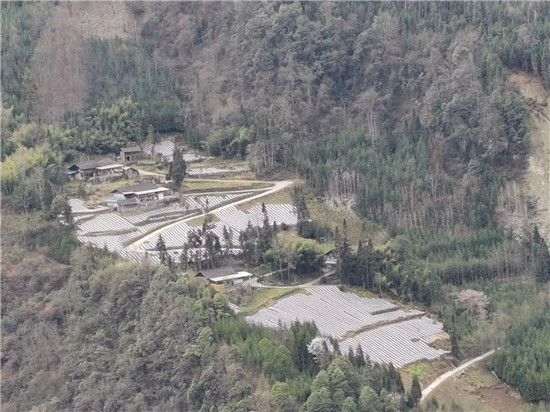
<point x="84" y="330"/>
<point x="523" y="361"/>
<point x="402" y="111"/>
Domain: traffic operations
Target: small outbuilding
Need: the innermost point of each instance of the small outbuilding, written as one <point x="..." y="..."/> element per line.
<point x="138" y="196"/>
<point x="96" y="171"/>
<point x="144" y="192"/>
<point x="224" y="275"/>
<point x="131" y="154"/>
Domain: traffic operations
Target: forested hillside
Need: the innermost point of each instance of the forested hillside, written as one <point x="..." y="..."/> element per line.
<point x="403" y="114"/>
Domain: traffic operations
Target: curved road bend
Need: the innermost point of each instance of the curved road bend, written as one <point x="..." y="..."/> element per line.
<point x="277" y="186"/>
<point x="452" y="372"/>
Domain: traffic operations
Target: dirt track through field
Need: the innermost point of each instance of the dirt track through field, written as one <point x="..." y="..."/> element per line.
<point x="426" y="392"/>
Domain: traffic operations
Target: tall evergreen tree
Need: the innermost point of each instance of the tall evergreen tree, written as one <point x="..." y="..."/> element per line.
<point x="455" y="349"/>
<point x="68" y="214"/>
<point x="541" y="256"/>
<point x="178" y="169"/>
<point x="302" y="212"/>
<point x="415" y="394"/>
<point x="343" y="254"/>
<point x="162" y="251"/>
<point x="359" y="356"/>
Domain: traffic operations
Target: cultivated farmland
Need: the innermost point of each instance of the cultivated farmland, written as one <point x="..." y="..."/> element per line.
<point x="385" y="332"/>
<point x="103" y="228"/>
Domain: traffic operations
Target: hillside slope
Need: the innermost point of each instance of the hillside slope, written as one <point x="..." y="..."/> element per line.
<point x="536" y="181"/>
<point x="59" y="64"/>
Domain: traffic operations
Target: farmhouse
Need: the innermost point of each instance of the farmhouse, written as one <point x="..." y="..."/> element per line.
<point x="95" y="171"/>
<point x="216" y="272"/>
<point x="137" y="196"/>
<point x="131" y="154"/>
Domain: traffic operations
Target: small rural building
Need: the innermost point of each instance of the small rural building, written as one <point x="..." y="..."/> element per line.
<point x="137" y="196"/>
<point x="216" y="272"/>
<point x="224" y="275"/>
<point x="234" y="279"/>
<point x="131" y="154"/>
<point x="96" y="171"/>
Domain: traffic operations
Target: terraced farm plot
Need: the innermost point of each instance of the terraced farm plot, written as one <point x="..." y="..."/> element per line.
<point x="238" y="219"/>
<point x="105" y="222"/>
<point x="210" y="201"/>
<point x="399" y="343"/>
<point x="114" y="231"/>
<point x="163" y="213"/>
<point x="385" y="332"/>
<point x="78" y="206"/>
<point x="230" y="217"/>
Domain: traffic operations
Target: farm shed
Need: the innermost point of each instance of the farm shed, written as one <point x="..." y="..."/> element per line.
<point x="131" y="154"/>
<point x="234" y="279"/>
<point x="144" y="192"/>
<point x="216" y="272"/>
<point x="95" y="171"/>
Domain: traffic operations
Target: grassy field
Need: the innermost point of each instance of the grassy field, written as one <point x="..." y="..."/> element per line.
<point x="225" y="164"/>
<point x="197" y="185"/>
<point x="426" y="371"/>
<point x="334" y="213"/>
<point x="283" y="196"/>
<point x="476" y="389"/>
<point x="196" y="222"/>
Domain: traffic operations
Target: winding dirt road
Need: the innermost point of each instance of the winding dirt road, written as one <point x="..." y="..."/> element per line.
<point x="426" y="392"/>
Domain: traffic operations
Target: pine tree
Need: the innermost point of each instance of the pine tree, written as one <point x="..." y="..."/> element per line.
<point x="415" y="394"/>
<point x="178" y="169"/>
<point x="161" y="248"/>
<point x="343" y="252"/>
<point x="351" y="355"/>
<point x="541" y="256"/>
<point x="302" y="212"/>
<point x="227" y="240"/>
<point x="359" y="356"/>
<point x="361" y="262"/>
<point x="265" y="233"/>
<point x="68" y="214"/>
<point x="455" y="350"/>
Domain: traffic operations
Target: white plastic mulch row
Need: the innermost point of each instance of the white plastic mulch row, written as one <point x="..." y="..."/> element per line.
<point x="334" y="312"/>
<point x="113" y="243"/>
<point x="238" y="220"/>
<point x="140" y="217"/>
<point x="393" y="335"/>
<point x="399" y="343"/>
<point x="177" y="235"/>
<point x="78" y="206"/>
<point x="105" y="222"/>
<point x="283" y="213"/>
<point x="209" y="171"/>
<point x="233" y="217"/>
<point x="201" y="201"/>
<point x="230" y="217"/>
<point x="164" y="148"/>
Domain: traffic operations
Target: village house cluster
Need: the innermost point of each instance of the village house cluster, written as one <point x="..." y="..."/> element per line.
<point x="99" y="171"/>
